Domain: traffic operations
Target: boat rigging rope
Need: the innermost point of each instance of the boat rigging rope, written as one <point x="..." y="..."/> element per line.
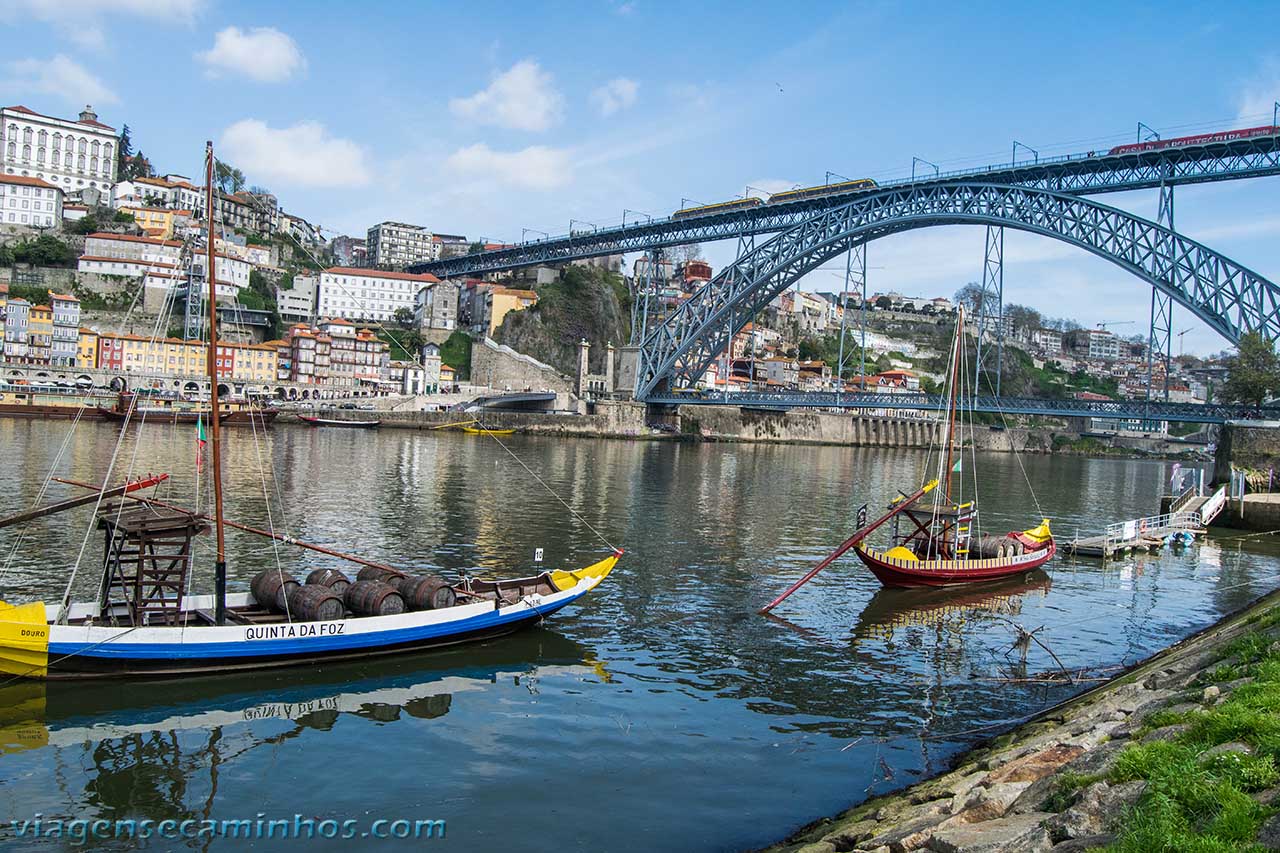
<point x="417" y="359"/>
<point x="1016" y="455"/>
<point x="266" y="500"/>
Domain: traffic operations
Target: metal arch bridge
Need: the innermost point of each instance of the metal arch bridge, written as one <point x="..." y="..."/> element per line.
<point x="1228" y="297"/>
<point x="1075" y="174"/>
<point x="1097" y="409"/>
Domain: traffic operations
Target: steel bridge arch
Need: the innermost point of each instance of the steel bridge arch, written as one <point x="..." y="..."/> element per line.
<point x="1230" y="298"/>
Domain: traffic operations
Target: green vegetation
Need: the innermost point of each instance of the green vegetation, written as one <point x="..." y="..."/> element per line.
<point x="123" y="217"/>
<point x="456" y="352"/>
<point x="261" y="296"/>
<point x="582" y="303"/>
<point x="402" y="344"/>
<point x="227" y="178"/>
<point x="1200" y="802"/>
<point x="1253" y="373"/>
<point x="44" y="251"/>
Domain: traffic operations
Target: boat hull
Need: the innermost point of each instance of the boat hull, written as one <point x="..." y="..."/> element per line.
<point x="931" y="573"/>
<point x="333" y="422"/>
<point x="32" y="645"/>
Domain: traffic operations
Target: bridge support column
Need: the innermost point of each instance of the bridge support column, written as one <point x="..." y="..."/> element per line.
<point x="1160" y="340"/>
<point x="991" y="311"/>
<point x="855" y="276"/>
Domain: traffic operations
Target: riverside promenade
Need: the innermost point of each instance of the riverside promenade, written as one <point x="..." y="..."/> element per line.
<point x="1177" y="753"/>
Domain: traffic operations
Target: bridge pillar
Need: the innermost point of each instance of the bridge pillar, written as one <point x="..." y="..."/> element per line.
<point x="855" y="276"/>
<point x="991" y="310"/>
<point x="1160" y="340"/>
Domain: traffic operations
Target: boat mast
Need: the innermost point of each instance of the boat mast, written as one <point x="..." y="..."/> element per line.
<point x="951" y="401"/>
<point x="220" y="563"/>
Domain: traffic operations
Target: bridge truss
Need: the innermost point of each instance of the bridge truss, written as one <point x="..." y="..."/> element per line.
<point x="1225" y="295"/>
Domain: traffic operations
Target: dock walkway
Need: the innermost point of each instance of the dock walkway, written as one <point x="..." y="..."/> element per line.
<point x="1191" y="513"/>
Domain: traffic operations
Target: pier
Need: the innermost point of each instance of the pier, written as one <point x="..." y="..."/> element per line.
<point x="1190" y="513"/>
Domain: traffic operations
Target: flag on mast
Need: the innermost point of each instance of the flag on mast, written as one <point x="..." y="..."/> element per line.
<point x="956" y="467"/>
<point x="200" y="442"/>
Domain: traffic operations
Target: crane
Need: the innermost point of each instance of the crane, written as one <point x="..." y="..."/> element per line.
<point x="1180" y="334"/>
<point x="1103" y="326"/>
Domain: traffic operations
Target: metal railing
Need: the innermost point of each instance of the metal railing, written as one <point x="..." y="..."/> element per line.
<point x="1169" y="522"/>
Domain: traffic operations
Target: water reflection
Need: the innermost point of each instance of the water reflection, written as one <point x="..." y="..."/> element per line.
<point x="948" y="609"/>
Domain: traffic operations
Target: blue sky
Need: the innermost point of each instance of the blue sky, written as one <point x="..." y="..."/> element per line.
<point x="486" y="118"/>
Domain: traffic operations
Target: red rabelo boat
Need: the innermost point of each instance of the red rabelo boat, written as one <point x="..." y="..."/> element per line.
<point x="936" y="533"/>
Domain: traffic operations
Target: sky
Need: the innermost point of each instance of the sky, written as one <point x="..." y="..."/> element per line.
<point x="486" y="119"/>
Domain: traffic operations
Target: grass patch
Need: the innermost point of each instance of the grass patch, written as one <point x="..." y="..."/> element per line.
<point x="1204" y="804"/>
<point x="1065" y="788"/>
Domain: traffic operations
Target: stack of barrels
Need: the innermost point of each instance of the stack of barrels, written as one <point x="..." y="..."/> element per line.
<point x="988" y="547"/>
<point x="328" y="594"/>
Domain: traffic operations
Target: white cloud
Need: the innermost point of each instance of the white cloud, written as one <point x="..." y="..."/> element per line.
<point x="261" y="53"/>
<point x="521" y="98"/>
<point x="304" y="155"/>
<point x="534" y="168"/>
<point x="1258" y="96"/>
<point x="60" y="77"/>
<point x="82" y="20"/>
<point x="614" y="96"/>
<point x="626" y="8"/>
<point x="769" y="186"/>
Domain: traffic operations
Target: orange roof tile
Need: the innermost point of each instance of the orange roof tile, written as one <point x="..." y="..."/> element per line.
<point x="25" y="181"/>
<point x="129" y="238"/>
<point x="404" y="276"/>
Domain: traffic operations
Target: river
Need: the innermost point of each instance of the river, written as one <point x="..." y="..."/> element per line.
<point x="660" y="714"/>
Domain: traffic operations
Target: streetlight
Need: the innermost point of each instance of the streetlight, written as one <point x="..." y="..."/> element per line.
<point x="524" y="231"/>
<point x="915" y="160"/>
<point x="625" y="211"/>
<point x="1017" y="145"/>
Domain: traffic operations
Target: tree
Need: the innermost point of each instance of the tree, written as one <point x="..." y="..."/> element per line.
<point x="685" y="253"/>
<point x="1253" y="373"/>
<point x="883" y="303"/>
<point x="970" y="296"/>
<point x="404" y="318"/>
<point x="227" y="177"/>
<point x="84" y="225"/>
<point x="259" y="189"/>
<point x="475" y="248"/>
<point x="45" y="251"/>
<point x="1022" y="318"/>
<point x="123" y="154"/>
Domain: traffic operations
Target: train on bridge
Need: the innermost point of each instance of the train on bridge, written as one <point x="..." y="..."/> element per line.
<point x="867" y="184"/>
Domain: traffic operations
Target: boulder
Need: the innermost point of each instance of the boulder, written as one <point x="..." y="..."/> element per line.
<point x="1269" y="834"/>
<point x="1224" y="748"/>
<point x="848" y="837"/>
<point x="1269" y="797"/>
<point x="1166" y="733"/>
<point x="1210" y="693"/>
<point x="1080" y="845"/>
<point x="1037" y="765"/>
<point x="911" y="835"/>
<point x="1099" y="807"/>
<point x="1015" y="834"/>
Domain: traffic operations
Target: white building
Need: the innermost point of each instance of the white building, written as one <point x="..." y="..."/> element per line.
<point x="29" y="201"/>
<point x="69" y="154"/>
<point x="359" y="294"/>
<point x="398" y="244"/>
<point x="126" y="255"/>
<point x="231" y="274"/>
<point x="298" y="304"/>
<point x="1049" y="340"/>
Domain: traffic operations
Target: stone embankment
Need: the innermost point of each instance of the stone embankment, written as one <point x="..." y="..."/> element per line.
<point x="1179" y="753"/>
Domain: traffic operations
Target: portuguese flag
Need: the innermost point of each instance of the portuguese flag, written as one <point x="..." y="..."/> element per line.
<point x="200" y="443"/>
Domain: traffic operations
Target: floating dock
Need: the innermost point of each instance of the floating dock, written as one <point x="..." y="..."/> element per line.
<point x="1191" y="514"/>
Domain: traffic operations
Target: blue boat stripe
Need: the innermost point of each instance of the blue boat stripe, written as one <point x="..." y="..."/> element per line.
<point x="274" y="648"/>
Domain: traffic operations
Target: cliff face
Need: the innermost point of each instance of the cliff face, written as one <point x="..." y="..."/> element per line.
<point x="583" y="303"/>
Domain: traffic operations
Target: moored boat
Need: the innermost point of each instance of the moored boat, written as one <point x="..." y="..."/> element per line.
<point x="145" y="621"/>
<point x="338" y="422"/>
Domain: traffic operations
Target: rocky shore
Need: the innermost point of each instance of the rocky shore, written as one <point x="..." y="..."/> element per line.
<point x="1179" y="753"/>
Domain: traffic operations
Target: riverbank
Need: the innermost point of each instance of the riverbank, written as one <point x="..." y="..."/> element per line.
<point x="1177" y="753"/>
<point x="629" y="420"/>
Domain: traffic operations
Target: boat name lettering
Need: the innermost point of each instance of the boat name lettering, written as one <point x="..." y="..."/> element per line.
<point x="286" y="632"/>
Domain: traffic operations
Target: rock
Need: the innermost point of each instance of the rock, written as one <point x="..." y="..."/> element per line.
<point x="1080" y="845"/>
<point x="1016" y="834"/>
<point x="1269" y="834"/>
<point x="1037" y="765"/>
<point x="1166" y="733"/>
<point x="1098" y="807"/>
<point x="911" y="835"/>
<point x="848" y="837"/>
<point x="1097" y="760"/>
<point x="963" y="788"/>
<point x="1224" y="748"/>
<point x="1210" y="693"/>
<point x="1268" y="797"/>
<point x="818" y="847"/>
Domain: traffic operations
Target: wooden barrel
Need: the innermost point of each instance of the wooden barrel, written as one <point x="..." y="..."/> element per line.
<point x="272" y="588"/>
<point x="373" y="573"/>
<point x="330" y="578"/>
<point x="431" y="592"/>
<point x="315" y="603"/>
<point x="373" y="598"/>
